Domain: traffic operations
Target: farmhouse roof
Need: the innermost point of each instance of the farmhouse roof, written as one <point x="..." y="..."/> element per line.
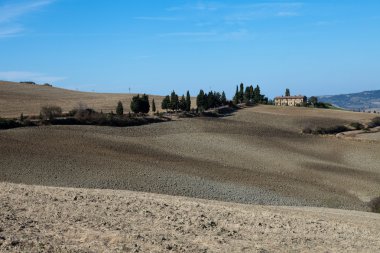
<point x="290" y="97"/>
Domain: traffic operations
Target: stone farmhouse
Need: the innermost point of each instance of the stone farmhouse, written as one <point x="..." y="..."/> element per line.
<point x="290" y="100"/>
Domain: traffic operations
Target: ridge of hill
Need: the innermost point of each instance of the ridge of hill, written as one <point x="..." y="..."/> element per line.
<point x="366" y="100"/>
<point x="17" y="98"/>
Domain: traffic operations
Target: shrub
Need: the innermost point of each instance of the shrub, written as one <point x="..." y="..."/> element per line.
<point x="357" y="126"/>
<point x="50" y="112"/>
<point x="330" y="130"/>
<point x="9" y="123"/>
<point x="119" y="108"/>
<point x="307" y="130"/>
<point x="376" y="121"/>
<point x="374" y="204"/>
<point x="140" y="104"/>
<point x="336" y="129"/>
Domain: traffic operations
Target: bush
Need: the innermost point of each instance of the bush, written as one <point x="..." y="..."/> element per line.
<point x="307" y="130"/>
<point x="331" y="130"/>
<point x="8" y="124"/>
<point x="325" y="130"/>
<point x="374" y="204"/>
<point x="140" y="104"/>
<point x="376" y="121"/>
<point x="357" y="126"/>
<point x="50" y="112"/>
<point x="119" y="108"/>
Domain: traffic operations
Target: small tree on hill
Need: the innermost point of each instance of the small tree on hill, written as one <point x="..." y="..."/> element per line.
<point x="165" y="105"/>
<point x="182" y="103"/>
<point x="201" y="100"/>
<point x="313" y="100"/>
<point x="223" y="98"/>
<point x="153" y="106"/>
<point x="287" y="92"/>
<point x="140" y="104"/>
<point x="188" y="101"/>
<point x="119" y="109"/>
<point x="174" y="101"/>
<point x="236" y="97"/>
<point x="257" y="97"/>
<point x="50" y="112"/>
<point x="241" y="93"/>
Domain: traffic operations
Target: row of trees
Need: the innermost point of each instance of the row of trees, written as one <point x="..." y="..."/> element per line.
<point x="205" y="101"/>
<point x="249" y="95"/>
<point x="211" y="99"/>
<point x="173" y="102"/>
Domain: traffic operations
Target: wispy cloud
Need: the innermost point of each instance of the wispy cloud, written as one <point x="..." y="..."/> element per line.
<point x="11" y="13"/>
<point x="153" y="18"/>
<point x="212" y="35"/>
<point x="287" y="14"/>
<point x="250" y="12"/>
<point x="10" y="31"/>
<point x="200" y="6"/>
<point x="188" y="34"/>
<point x="17" y="76"/>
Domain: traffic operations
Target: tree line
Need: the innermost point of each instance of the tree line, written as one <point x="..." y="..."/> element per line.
<point x="204" y="100"/>
<point x="249" y="95"/>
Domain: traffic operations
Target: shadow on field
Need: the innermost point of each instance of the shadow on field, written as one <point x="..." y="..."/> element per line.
<point x="374" y="204"/>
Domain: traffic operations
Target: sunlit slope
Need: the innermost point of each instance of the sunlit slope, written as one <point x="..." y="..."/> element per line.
<point x="258" y="155"/>
<point x="16" y="98"/>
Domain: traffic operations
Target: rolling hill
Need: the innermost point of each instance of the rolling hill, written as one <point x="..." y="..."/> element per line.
<point x="17" y="98"/>
<point x="157" y="187"/>
<point x="366" y="100"/>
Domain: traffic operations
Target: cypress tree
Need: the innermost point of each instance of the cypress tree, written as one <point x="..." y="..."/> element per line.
<point x="153" y="106"/>
<point x="236" y="97"/>
<point x="257" y="97"/>
<point x="287" y="92"/>
<point x="165" y="105"/>
<point x="140" y="104"/>
<point x="188" y="101"/>
<point x="182" y="103"/>
<point x="223" y="98"/>
<point x="119" y="109"/>
<point x="145" y="105"/>
<point x="247" y="95"/>
<point x="201" y="100"/>
<point x="241" y="93"/>
<point x="174" y="102"/>
<point x="251" y="90"/>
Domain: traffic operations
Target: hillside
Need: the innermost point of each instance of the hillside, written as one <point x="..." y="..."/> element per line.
<point x="255" y="156"/>
<point x="367" y="100"/>
<point x="17" y="98"/>
<point x="46" y="219"/>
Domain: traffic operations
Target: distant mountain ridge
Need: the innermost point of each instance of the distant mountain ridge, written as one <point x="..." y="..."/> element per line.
<point x="366" y="100"/>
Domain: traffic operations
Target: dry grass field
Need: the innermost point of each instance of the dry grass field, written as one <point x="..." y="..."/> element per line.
<point x="256" y="156"/>
<point x="17" y="98"/>
<point x="45" y="219"/>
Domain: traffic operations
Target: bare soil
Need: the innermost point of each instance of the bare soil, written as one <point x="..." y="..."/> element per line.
<point x="17" y="98"/>
<point x="251" y="157"/>
<point x="45" y="219"/>
<point x="256" y="156"/>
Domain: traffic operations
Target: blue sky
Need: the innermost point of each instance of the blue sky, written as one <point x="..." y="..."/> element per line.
<point x="155" y="46"/>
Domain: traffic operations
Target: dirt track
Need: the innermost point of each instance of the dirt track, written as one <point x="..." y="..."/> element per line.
<point x="42" y="219"/>
<point x="256" y="156"/>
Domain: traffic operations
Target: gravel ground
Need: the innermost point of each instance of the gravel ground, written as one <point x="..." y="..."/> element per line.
<point x="255" y="156"/>
<point x="45" y="219"/>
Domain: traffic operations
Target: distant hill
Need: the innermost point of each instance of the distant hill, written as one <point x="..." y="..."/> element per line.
<point x="366" y="100"/>
<point x="27" y="98"/>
